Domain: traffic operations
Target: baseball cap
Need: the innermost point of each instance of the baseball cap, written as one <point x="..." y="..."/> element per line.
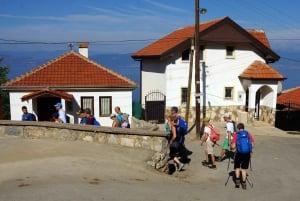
<point x="206" y="119"/>
<point x="58" y="105"/>
<point x="226" y="115"/>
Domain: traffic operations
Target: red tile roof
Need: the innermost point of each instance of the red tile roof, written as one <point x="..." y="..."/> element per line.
<point x="172" y="40"/>
<point x="260" y="71"/>
<point x="291" y="96"/>
<point x="71" y="70"/>
<point x="259" y="35"/>
<point x="165" y="45"/>
<point x="57" y="93"/>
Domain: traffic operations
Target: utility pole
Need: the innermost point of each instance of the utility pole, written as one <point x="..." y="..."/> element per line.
<point x="197" y="69"/>
<point x="188" y="101"/>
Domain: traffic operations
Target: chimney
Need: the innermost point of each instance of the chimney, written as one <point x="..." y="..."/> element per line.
<point x="84" y="49"/>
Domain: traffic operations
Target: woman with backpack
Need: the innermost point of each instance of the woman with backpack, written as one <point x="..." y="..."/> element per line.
<point x="243" y="141"/>
<point x="210" y="144"/>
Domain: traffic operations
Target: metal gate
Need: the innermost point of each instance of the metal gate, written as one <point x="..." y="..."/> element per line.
<point x="288" y="117"/>
<point x="155" y="104"/>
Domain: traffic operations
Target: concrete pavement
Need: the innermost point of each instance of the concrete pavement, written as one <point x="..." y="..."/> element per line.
<point x="46" y="169"/>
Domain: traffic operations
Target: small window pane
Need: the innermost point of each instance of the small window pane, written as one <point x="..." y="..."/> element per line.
<point x="87" y="102"/>
<point x="105" y="105"/>
<point x="201" y="52"/>
<point x="184" y="93"/>
<point x="229" y="51"/>
<point x="228" y="92"/>
<point x="185" y="56"/>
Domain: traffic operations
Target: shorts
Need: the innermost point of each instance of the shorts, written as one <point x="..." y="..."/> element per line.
<point x="242" y="161"/>
<point x="210" y="147"/>
<point x="225" y="145"/>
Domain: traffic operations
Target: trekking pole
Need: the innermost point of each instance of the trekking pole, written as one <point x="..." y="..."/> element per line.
<point x="251" y="184"/>
<point x="228" y="164"/>
<point x="250" y="162"/>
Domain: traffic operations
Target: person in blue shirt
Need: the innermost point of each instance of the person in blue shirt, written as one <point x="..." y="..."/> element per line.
<point x="27" y="116"/>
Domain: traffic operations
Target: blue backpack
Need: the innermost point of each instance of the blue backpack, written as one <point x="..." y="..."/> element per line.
<point x="183" y="126"/>
<point x="243" y="143"/>
<point x="96" y="123"/>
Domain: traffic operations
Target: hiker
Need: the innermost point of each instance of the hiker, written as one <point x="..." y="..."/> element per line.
<point x="117" y="117"/>
<point x="61" y="113"/>
<point x="209" y="151"/>
<point x="243" y="142"/>
<point x="174" y="143"/>
<point x="229" y="130"/>
<point x="120" y="120"/>
<point x="26" y="116"/>
<point x="82" y="116"/>
<point x="90" y="119"/>
<point x="184" y="129"/>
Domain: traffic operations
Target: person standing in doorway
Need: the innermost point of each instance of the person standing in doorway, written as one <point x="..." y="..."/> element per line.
<point x="27" y="116"/>
<point x="61" y="113"/>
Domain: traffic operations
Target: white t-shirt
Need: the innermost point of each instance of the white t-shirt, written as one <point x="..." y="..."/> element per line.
<point x="208" y="131"/>
<point x="229" y="127"/>
<point x="62" y="115"/>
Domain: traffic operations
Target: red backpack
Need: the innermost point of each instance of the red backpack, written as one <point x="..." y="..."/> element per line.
<point x="214" y="134"/>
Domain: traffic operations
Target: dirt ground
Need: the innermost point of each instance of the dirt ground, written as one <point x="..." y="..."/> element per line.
<point x="47" y="169"/>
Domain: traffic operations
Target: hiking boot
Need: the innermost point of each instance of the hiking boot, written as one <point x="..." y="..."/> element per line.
<point x="205" y="163"/>
<point x="180" y="166"/>
<point x="237" y="183"/>
<point x="244" y="186"/>
<point x="213" y="167"/>
<point x="219" y="159"/>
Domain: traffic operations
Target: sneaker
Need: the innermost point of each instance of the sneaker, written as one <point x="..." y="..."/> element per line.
<point x="220" y="159"/>
<point x="237" y="183"/>
<point x="213" y="167"/>
<point x="205" y="163"/>
<point x="180" y="166"/>
<point x="244" y="186"/>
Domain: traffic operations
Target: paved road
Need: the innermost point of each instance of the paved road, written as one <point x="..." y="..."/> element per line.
<point x="46" y="169"/>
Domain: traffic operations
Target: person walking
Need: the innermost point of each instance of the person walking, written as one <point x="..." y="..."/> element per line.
<point x="229" y="130"/>
<point x="243" y="141"/>
<point x="174" y="143"/>
<point x="61" y="113"/>
<point x="209" y="151"/>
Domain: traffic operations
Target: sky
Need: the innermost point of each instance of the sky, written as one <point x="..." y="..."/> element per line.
<point x="125" y="26"/>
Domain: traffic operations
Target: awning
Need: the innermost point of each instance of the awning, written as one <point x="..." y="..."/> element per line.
<point x="56" y="93"/>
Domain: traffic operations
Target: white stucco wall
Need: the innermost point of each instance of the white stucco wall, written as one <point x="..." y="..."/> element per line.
<point x="120" y="98"/>
<point x="153" y="74"/>
<point x="217" y="73"/>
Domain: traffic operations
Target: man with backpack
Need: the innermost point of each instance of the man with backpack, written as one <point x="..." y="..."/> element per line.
<point x="243" y="142"/>
<point x="90" y="119"/>
<point x="27" y="116"/>
<point x="211" y="136"/>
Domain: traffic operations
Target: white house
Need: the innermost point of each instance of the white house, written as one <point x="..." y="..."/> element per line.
<point x="77" y="82"/>
<point x="235" y="73"/>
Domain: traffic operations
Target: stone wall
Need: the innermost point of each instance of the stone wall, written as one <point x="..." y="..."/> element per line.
<point x="136" y="138"/>
<point x="238" y="114"/>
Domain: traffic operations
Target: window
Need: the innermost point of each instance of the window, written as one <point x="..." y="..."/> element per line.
<point x="87" y="102"/>
<point x="105" y="105"/>
<point x="185" y="55"/>
<point x="184" y="94"/>
<point x="228" y="92"/>
<point x="201" y="52"/>
<point x="230" y="52"/>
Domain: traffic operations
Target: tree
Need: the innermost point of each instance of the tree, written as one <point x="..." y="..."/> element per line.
<point x="4" y="95"/>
